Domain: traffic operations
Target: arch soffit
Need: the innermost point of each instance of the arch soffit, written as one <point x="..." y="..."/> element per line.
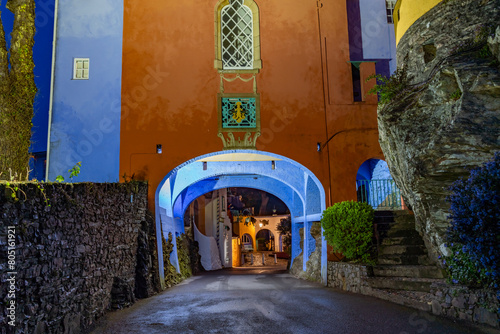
<point x="166" y="186"/>
<point x="267" y="184"/>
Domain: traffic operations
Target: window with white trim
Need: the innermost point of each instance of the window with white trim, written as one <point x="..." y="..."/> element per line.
<point x="389" y="5"/>
<point x="237" y="36"/>
<point x="81" y="68"/>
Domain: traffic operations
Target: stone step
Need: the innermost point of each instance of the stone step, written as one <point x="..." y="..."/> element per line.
<point x="404" y="260"/>
<point x="403" y="250"/>
<point x="402" y="283"/>
<point x="413" y="240"/>
<point x="383" y="219"/>
<point x="403" y="225"/>
<point x="409" y="233"/>
<point x="415" y="271"/>
<point x="403" y="216"/>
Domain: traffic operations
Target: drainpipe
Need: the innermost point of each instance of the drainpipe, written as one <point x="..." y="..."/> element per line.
<point x="52" y="84"/>
<point x="319" y="5"/>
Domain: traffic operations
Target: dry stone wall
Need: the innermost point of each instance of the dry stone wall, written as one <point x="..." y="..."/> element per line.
<point x="75" y="254"/>
<point x="348" y="277"/>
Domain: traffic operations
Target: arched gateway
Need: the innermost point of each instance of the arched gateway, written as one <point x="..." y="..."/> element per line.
<point x="294" y="184"/>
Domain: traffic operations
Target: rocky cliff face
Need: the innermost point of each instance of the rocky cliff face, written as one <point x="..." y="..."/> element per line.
<point x="448" y="120"/>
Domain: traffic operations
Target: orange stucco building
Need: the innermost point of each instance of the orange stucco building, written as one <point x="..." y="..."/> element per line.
<point x="170" y="87"/>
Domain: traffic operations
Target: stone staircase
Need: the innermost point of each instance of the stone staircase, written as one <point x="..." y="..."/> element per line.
<point x="404" y="273"/>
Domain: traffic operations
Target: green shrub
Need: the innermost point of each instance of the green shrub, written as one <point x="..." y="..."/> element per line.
<point x="462" y="269"/>
<point x="387" y="88"/>
<point x="348" y="228"/>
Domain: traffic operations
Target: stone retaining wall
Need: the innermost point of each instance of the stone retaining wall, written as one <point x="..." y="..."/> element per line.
<point x="348" y="277"/>
<point x="477" y="306"/>
<point x="460" y="302"/>
<point x="75" y="254"/>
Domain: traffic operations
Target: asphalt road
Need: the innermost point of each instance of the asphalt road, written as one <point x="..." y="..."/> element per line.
<point x="259" y="301"/>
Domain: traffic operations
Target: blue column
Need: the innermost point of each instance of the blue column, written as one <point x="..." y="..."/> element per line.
<point x="159" y="247"/>
<point x="307" y="234"/>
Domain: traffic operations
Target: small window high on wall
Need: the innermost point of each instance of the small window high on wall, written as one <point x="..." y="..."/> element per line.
<point x="81" y="68"/>
<point x="237" y="36"/>
<point x="389" y="4"/>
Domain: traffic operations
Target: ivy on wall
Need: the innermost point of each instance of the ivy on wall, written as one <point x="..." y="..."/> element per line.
<point x="187" y="253"/>
<point x="17" y="90"/>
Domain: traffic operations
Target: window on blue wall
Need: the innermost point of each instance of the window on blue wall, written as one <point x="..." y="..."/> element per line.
<point x="389" y="5"/>
<point x="81" y="67"/>
<point x="237" y="36"/>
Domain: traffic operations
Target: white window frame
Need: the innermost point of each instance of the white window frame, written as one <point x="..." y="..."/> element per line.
<point x="389" y="5"/>
<point x="81" y="73"/>
<point x="248" y="38"/>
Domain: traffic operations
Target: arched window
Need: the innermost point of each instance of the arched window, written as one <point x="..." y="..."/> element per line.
<point x="237" y="35"/>
<point x="246" y="238"/>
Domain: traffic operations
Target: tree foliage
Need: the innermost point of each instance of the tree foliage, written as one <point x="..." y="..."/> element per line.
<point x="474" y="232"/>
<point x="284" y="227"/>
<point x="17" y="90"/>
<point x="348" y="228"/>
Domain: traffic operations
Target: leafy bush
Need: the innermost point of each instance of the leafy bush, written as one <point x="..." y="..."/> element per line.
<point x="463" y="269"/>
<point x="475" y="224"/>
<point x="387" y="88"/>
<point x="348" y="228"/>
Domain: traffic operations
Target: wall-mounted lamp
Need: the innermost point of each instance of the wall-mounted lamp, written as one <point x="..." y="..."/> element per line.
<point x="158" y="148"/>
<point x="273" y="165"/>
<point x="205" y="165"/>
<point x="319" y="147"/>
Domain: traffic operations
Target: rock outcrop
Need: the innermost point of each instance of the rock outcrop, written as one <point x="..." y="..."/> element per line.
<point x="313" y="272"/>
<point x="448" y="120"/>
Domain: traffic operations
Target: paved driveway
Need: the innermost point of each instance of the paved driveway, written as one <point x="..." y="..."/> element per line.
<point x="259" y="301"/>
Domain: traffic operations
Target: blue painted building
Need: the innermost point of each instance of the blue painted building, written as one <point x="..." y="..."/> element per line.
<point x="86" y="110"/>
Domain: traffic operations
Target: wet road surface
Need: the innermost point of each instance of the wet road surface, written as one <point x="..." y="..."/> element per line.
<point x="267" y="301"/>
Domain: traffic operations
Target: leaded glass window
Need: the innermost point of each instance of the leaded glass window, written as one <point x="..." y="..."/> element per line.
<point x="239" y="113"/>
<point x="237" y="37"/>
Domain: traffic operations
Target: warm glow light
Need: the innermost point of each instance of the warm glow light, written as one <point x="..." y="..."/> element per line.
<point x="260" y="224"/>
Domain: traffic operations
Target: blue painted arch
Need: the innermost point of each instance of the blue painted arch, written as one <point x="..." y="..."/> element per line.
<point x="287" y="179"/>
